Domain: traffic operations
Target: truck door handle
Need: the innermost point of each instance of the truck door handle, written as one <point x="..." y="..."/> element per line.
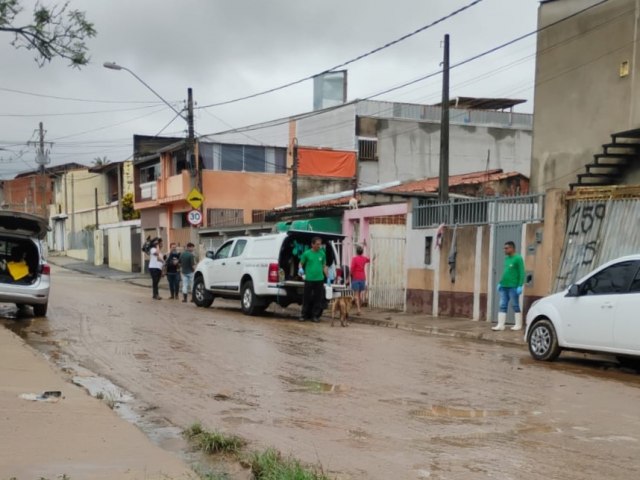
<point x="237" y="263"/>
<point x="224" y="263"/>
<point x="607" y="305"/>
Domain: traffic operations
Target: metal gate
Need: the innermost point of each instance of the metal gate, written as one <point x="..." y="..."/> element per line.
<point x="503" y="233"/>
<point x="136" y="249"/>
<point x="387" y="274"/>
<point x="105" y="247"/>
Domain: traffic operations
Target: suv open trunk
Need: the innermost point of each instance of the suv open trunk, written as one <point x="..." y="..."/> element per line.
<point x="15" y="250"/>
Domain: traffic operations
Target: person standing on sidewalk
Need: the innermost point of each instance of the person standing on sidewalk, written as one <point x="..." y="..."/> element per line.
<point x="173" y="270"/>
<point x="187" y="267"/>
<point x="359" y="277"/>
<point x="510" y="287"/>
<point x="156" y="263"/>
<point x="313" y="266"/>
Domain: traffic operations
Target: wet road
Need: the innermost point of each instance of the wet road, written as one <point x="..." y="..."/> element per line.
<point x="365" y="402"/>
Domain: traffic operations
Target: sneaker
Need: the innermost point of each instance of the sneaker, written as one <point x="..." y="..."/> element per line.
<point x="157" y="298"/>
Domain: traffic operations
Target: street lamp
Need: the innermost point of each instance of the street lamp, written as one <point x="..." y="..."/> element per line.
<point x="115" y="66"/>
<point x="188" y="118"/>
<point x="191" y="158"/>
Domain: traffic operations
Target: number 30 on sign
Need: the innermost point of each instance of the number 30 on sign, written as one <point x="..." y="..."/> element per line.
<point x="194" y="217"/>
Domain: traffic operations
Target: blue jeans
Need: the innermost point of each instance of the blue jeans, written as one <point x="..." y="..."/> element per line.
<point x="509" y="294"/>
<point x="187" y="283"/>
<point x="174" y="283"/>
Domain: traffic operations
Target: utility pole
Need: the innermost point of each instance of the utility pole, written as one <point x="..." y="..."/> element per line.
<point x="95" y="191"/>
<point x="443" y="188"/>
<point x="42" y="158"/>
<point x="294" y="177"/>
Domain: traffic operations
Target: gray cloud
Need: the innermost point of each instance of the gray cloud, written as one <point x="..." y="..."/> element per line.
<point x="224" y="49"/>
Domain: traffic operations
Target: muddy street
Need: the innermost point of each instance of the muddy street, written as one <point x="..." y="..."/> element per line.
<point x="363" y="401"/>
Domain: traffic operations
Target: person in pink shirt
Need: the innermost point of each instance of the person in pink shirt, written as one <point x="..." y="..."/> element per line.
<point x="358" y="276"/>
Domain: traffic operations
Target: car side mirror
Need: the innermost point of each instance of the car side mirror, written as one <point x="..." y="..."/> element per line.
<point x="574" y="290"/>
<point x="210" y="254"/>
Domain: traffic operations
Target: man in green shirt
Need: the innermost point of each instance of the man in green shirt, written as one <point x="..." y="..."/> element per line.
<point x="510" y="287"/>
<point x="313" y="266"/>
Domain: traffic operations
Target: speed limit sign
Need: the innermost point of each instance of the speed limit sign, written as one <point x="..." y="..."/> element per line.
<point x="194" y="217"/>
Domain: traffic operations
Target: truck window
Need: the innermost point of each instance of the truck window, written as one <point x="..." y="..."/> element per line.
<point x="224" y="250"/>
<point x="239" y="248"/>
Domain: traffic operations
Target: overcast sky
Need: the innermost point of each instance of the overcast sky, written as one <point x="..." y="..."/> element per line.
<point x="224" y="49"/>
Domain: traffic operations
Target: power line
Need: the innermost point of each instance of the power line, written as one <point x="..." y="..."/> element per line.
<point x="76" y="113"/>
<point x="348" y="62"/>
<point x="73" y="99"/>
<point x="284" y="120"/>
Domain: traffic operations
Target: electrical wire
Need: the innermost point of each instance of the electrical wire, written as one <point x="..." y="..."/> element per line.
<point x="348" y="62"/>
<point x="73" y="99"/>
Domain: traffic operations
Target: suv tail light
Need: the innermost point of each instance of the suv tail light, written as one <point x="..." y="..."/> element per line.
<point x="273" y="273"/>
<point x="45" y="269"/>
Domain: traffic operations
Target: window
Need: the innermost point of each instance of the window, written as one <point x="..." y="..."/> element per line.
<point x="249" y="158"/>
<point x="613" y="279"/>
<point x="428" y="243"/>
<point x="368" y="149"/>
<point x="149" y="173"/>
<point x="239" y="248"/>
<point x="224" y="251"/>
<point x="635" y="285"/>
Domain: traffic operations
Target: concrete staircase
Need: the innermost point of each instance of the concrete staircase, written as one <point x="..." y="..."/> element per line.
<point x="609" y="166"/>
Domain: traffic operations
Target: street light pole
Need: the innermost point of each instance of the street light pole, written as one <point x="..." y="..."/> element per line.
<point x="115" y="66"/>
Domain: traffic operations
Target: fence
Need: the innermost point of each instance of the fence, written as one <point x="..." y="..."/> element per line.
<point x="478" y="211"/>
<point x="224" y="217"/>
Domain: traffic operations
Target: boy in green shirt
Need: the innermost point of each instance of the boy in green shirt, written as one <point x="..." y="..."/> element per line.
<point x="313" y="265"/>
<point x="510" y="287"/>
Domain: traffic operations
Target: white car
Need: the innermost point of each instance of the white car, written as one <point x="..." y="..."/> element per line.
<point x="261" y="270"/>
<point x="599" y="313"/>
<point x="24" y="274"/>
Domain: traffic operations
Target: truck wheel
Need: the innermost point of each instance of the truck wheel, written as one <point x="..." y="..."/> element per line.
<point x="249" y="301"/>
<point x="201" y="297"/>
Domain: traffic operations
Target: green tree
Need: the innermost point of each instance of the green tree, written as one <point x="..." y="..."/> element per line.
<point x="128" y="212"/>
<point x="52" y="31"/>
<point x="100" y="161"/>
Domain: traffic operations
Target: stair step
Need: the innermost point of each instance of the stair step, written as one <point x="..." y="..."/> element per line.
<point x="594" y="184"/>
<point x="635" y="133"/>
<point x="598" y="175"/>
<point x="635" y="146"/>
<point x="610" y="166"/>
<point x="616" y="155"/>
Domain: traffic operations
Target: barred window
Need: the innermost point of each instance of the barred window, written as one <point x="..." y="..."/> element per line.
<point x="368" y="149"/>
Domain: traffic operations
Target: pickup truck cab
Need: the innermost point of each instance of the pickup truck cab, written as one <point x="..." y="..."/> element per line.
<point x="262" y="270"/>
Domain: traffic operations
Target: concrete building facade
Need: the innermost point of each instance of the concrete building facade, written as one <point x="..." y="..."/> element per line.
<point x="587" y="86"/>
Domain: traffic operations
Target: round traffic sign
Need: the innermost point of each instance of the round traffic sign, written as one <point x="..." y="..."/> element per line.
<point x="194" y="217"/>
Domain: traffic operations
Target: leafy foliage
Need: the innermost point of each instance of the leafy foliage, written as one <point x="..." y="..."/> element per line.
<point x="128" y="212"/>
<point x="52" y="31"/>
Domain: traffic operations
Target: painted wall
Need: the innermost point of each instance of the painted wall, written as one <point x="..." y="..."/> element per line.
<point x="120" y="254"/>
<point x="410" y="149"/>
<point x="430" y="289"/>
<point x="332" y="129"/>
<point x="246" y="190"/>
<point x="127" y="177"/>
<point x="580" y="97"/>
<point x="356" y="223"/>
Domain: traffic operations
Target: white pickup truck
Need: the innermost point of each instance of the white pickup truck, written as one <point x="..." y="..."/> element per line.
<point x="262" y="270"/>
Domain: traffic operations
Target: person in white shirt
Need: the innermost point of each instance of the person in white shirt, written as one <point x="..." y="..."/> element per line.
<point x="155" y="266"/>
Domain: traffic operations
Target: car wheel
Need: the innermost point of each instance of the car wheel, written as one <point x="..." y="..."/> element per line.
<point x="40" y="310"/>
<point x="629" y="362"/>
<point x="249" y="300"/>
<point x="201" y="297"/>
<point x="543" y="341"/>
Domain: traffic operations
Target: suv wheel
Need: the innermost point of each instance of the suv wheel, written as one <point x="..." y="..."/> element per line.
<point x="201" y="297"/>
<point x="40" y="310"/>
<point x="249" y="301"/>
<point x="543" y="341"/>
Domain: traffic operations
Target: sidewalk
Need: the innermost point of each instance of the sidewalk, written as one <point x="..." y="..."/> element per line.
<point x="424" y="324"/>
<point x="77" y="436"/>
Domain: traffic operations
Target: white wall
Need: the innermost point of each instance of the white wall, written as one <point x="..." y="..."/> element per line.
<point x="120" y="254"/>
<point x="410" y="150"/>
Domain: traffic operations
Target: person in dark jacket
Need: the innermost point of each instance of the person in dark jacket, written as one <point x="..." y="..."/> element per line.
<point x="173" y="271"/>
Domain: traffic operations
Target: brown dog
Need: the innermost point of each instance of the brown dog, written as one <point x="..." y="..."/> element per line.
<point x="343" y="306"/>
